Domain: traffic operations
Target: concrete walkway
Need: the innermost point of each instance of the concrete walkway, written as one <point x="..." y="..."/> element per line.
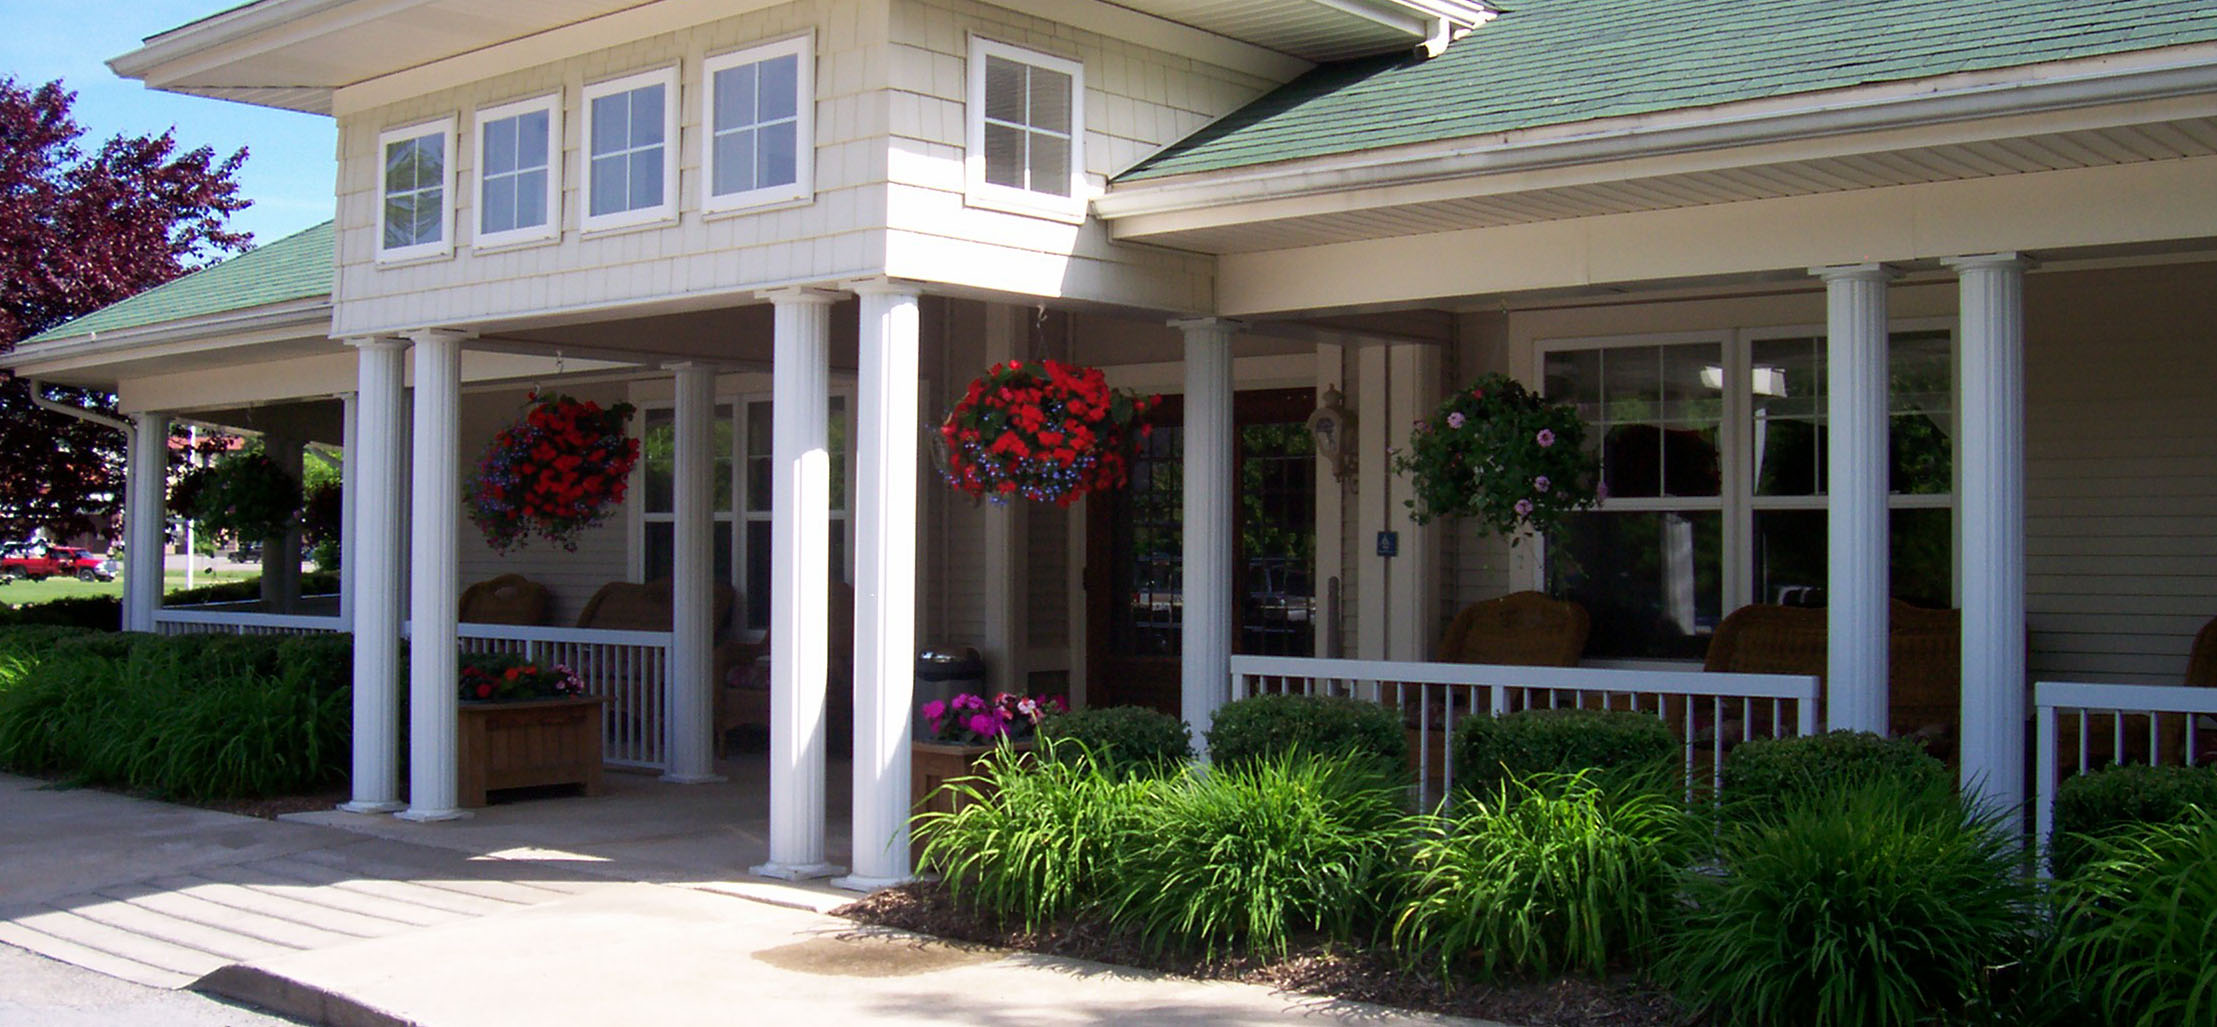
<point x="337" y="927"/>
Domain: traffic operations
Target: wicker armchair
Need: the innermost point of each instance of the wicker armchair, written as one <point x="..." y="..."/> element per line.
<point x="1522" y="628"/>
<point x="1923" y="659"/>
<point x="743" y="682"/>
<point x="2201" y="664"/>
<point x="507" y="599"/>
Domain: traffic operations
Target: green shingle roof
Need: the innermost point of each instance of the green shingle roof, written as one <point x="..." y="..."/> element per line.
<point x="1551" y="62"/>
<point x="298" y="266"/>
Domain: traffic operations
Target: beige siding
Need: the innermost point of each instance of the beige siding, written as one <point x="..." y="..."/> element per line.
<point x="956" y="550"/>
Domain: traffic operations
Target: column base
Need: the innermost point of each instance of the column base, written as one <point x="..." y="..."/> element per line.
<point x="857" y="882"/>
<point x="797" y="871"/>
<point x="693" y="779"/>
<point x="432" y="816"/>
<point x="384" y="806"/>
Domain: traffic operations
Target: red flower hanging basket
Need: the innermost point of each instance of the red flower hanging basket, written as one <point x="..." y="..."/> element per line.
<point x="555" y="473"/>
<point x="1045" y="431"/>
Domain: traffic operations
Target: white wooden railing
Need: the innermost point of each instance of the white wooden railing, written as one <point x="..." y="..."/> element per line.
<point x="195" y="621"/>
<point x="631" y="668"/>
<point x="2080" y="727"/>
<point x="1700" y="707"/>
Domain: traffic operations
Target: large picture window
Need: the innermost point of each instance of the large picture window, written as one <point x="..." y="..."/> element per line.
<point x="1026" y="131"/>
<point x="1713" y="451"/>
<point x="518" y="165"/>
<point x="415" y="216"/>
<point x="759" y="110"/>
<point x="630" y="166"/>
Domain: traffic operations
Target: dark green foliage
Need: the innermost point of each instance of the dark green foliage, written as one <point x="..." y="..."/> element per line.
<point x="245" y="494"/>
<point x="1245" y="857"/>
<point x="190" y="716"/>
<point x="1032" y="839"/>
<point x="1124" y="739"/>
<point x="1763" y="774"/>
<point x="1540" y="876"/>
<point x="1877" y="904"/>
<point x="97" y="613"/>
<point x="1491" y="749"/>
<point x="1266" y="726"/>
<point x="2094" y="805"/>
<point x="2140" y="920"/>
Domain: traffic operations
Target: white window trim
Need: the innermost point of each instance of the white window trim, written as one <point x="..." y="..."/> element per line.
<point x="444" y="128"/>
<point x="552" y="229"/>
<point x="803" y="187"/>
<point x="977" y="192"/>
<point x="587" y="221"/>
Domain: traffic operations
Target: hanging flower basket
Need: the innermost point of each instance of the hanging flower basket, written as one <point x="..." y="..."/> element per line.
<point x="1503" y="455"/>
<point x="557" y="472"/>
<point x="245" y="495"/>
<point x="1046" y="431"/>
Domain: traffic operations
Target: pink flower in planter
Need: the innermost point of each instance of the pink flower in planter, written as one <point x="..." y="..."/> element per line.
<point x="1545" y="438"/>
<point x="934" y="710"/>
<point x="985" y="724"/>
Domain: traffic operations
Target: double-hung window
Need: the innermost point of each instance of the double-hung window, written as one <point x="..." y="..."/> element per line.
<point x="415" y="214"/>
<point x="758" y="109"/>
<point x="1026" y="131"/>
<point x="518" y="165"/>
<point x="1713" y="448"/>
<point x="630" y="143"/>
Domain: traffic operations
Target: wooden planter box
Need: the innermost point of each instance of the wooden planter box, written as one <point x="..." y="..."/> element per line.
<point x="931" y="764"/>
<point x="528" y="744"/>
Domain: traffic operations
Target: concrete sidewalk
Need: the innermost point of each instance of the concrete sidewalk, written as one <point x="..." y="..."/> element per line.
<point x="335" y="927"/>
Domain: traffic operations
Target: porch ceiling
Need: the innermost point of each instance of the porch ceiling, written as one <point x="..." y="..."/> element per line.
<point x="1529" y="194"/>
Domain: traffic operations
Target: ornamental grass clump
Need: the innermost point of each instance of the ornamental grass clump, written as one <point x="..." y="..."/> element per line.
<point x="2139" y="922"/>
<point x="1031" y="839"/>
<point x="1246" y="858"/>
<point x="1543" y="874"/>
<point x="1877" y="904"/>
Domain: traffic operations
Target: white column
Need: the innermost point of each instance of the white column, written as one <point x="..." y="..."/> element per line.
<point x="1006" y="552"/>
<point x="800" y="581"/>
<point x="1209" y="542"/>
<point x="350" y="439"/>
<point x="434" y="644"/>
<point x="886" y="436"/>
<point x="374" y="486"/>
<point x="281" y="552"/>
<point x="1412" y="584"/>
<point x="692" y="721"/>
<point x="1991" y="543"/>
<point x="1857" y="576"/>
<point x="144" y="518"/>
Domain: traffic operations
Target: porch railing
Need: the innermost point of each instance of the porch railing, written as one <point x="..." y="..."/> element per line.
<point x="2081" y="726"/>
<point x="631" y="668"/>
<point x="190" y="621"/>
<point x="1705" y="710"/>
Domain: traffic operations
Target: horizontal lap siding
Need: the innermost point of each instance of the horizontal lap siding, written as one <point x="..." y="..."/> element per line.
<point x="2121" y="467"/>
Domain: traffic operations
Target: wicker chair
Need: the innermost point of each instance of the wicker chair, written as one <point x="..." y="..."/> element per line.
<point x="1522" y="628"/>
<point x="743" y="690"/>
<point x="1923" y="660"/>
<point x="625" y="606"/>
<point x="2201" y="664"/>
<point x="507" y="599"/>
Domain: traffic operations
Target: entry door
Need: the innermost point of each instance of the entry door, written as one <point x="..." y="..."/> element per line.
<point x="1136" y="542"/>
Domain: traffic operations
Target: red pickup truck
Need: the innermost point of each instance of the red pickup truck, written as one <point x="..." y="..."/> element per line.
<point x="39" y="561"/>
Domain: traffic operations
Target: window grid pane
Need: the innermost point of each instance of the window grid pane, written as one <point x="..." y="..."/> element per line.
<point x="627" y="151"/>
<point x="757" y="127"/>
<point x="513" y="195"/>
<point x="1027" y="127"/>
<point x="415" y="191"/>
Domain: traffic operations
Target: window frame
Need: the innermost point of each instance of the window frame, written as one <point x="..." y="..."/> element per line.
<point x="551" y="104"/>
<point x="977" y="192"/>
<point x="803" y="187"/>
<point x="446" y="129"/>
<point x="667" y="210"/>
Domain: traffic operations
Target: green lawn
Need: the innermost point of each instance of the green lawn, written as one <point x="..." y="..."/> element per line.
<point x="22" y="592"/>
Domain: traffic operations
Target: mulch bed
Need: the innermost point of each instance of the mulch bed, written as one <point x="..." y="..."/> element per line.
<point x="277" y="805"/>
<point x="1317" y="969"/>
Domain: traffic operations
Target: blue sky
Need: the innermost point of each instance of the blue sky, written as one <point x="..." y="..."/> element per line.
<point x="289" y="168"/>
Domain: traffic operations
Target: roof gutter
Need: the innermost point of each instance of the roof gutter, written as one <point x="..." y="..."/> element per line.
<point x="1837" y="112"/>
<point x="40" y="400"/>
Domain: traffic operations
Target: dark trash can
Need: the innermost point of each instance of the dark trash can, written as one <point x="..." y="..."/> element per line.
<point x="943" y="673"/>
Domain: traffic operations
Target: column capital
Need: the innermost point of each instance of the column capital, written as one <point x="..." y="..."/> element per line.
<point x="1190" y="325"/>
<point x="803" y="295"/>
<point x="377" y="342"/>
<point x="1989" y="262"/>
<point x="421" y="336"/>
<point x="884" y="286"/>
<point x="1856" y="273"/>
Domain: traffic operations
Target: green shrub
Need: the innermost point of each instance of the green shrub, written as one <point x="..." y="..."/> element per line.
<point x="97" y="613"/>
<point x="1766" y="774"/>
<point x="2140" y="920"/>
<point x="1540" y="876"/>
<point x="1266" y="726"/>
<point x="1031" y="839"/>
<point x="312" y="583"/>
<point x="1877" y="904"/>
<point x="1125" y="739"/>
<point x="2098" y="804"/>
<point x="1247" y="856"/>
<point x="1490" y="749"/>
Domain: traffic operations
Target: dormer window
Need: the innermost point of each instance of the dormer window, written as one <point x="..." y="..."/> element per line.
<point x="630" y="171"/>
<point x="517" y="171"/>
<point x="1027" y="131"/>
<point x="759" y="109"/>
<point x="415" y="218"/>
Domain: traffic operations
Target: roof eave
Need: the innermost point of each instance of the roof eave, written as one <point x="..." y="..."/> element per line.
<point x="41" y="355"/>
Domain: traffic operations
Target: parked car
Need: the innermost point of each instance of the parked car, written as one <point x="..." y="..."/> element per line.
<point x="39" y="561"/>
<point x="87" y="565"/>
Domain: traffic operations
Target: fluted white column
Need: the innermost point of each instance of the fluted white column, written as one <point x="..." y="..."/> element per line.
<point x="1206" y="653"/>
<point x="886" y="439"/>
<point x="1991" y="503"/>
<point x="350" y="439"/>
<point x="145" y="487"/>
<point x="434" y="645"/>
<point x="800" y="581"/>
<point x="1856" y="585"/>
<point x="692" y="721"/>
<point x="371" y="566"/>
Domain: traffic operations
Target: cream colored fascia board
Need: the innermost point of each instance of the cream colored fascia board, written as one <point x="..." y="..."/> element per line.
<point x="664" y="16"/>
<point x="277" y="323"/>
<point x="246" y="32"/>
